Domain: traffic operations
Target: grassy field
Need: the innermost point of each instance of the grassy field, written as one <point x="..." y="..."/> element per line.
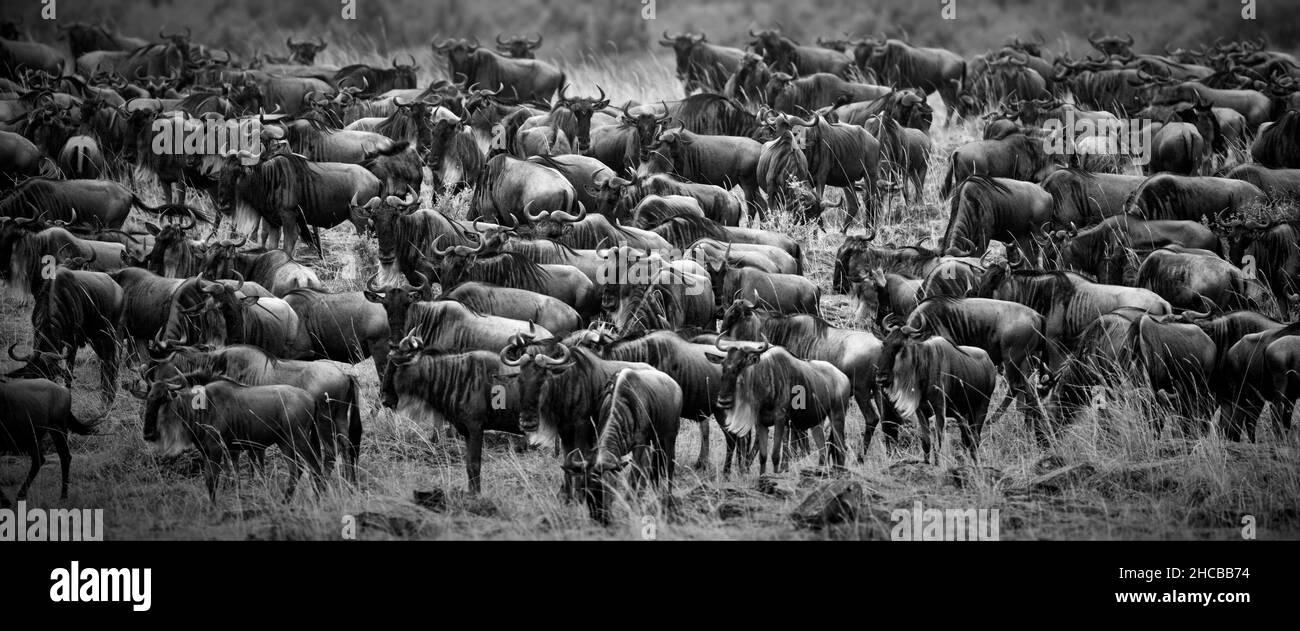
<point x="1108" y="476"/>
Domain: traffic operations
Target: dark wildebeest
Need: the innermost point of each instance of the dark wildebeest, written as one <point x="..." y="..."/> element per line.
<point x="898" y="63"/>
<point x="765" y="386"/>
<point x="1069" y="301"/>
<point x="1017" y="157"/>
<point x="639" y="417"/>
<point x="231" y="418"/>
<point x="336" y="392"/>
<point x="701" y="65"/>
<point x="74" y="309"/>
<point x="519" y="47"/>
<point x="1191" y="198"/>
<point x="930" y="376"/>
<point x="473" y="391"/>
<point x="1191" y="278"/>
<point x="1008" y="210"/>
<point x="723" y="161"/>
<point x="1103" y="250"/>
<point x="523" y="80"/>
<point x="33" y="408"/>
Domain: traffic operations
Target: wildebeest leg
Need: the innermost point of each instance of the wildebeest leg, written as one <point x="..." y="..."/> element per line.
<point x="761" y="442"/>
<point x="864" y="394"/>
<point x="105" y="348"/>
<point x="60" y="440"/>
<point x="923" y="418"/>
<point x="379" y="351"/>
<point x="474" y="457"/>
<point x="213" y="459"/>
<point x="289" y="230"/>
<point x="702" y="462"/>
<point x="778" y="442"/>
<point x="71" y="363"/>
<point x="37" y="459"/>
<point x="819" y="439"/>
<point x="838" y="450"/>
<point x="940" y="406"/>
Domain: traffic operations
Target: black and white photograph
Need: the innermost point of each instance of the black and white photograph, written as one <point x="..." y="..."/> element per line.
<point x="649" y="270"/>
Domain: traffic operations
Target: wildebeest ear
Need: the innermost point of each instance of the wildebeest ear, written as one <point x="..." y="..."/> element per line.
<point x="372" y="296"/>
<point x="249" y="301"/>
<point x="152" y="228"/>
<point x="715" y="358"/>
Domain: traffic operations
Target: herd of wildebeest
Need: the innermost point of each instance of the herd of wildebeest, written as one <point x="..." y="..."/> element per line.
<point x="602" y="287"/>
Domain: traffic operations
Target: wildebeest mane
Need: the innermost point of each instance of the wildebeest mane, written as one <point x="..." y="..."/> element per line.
<point x="682" y="230"/>
<point x="509" y="269"/>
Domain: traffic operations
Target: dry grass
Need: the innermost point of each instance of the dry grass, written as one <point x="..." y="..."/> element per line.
<point x="1141" y="486"/>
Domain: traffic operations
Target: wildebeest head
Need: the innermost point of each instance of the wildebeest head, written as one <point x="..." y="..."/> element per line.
<point x="172" y="255"/>
<point x="40" y="363"/>
<point x="165" y="404"/>
<point x="899" y="349"/>
<point x="462" y="57"/>
<point x="682" y="45"/>
<point x="612" y="196"/>
<point x="304" y="52"/>
<point x="740" y="320"/>
<point x="648" y="124"/>
<point x="582" y="108"/>
<point x="666" y="152"/>
<point x="841" y="45"/>
<point x="405" y="75"/>
<point x="776" y="85"/>
<point x="383" y="216"/>
<point x="396" y="301"/>
<point x="735" y="378"/>
<point x="552" y="224"/>
<point x="204" y="312"/>
<point x="456" y="261"/>
<point x="222" y="258"/>
<point x="1113" y="46"/>
<point x="537" y="360"/>
<point x="519" y="47"/>
<point x="231" y="178"/>
<point x="777" y="50"/>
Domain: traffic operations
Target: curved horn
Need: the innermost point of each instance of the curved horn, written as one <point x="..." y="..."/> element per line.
<point x="370" y="283"/>
<point x="17" y="358"/>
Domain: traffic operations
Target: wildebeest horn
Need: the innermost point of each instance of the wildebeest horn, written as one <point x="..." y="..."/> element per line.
<point x="537" y="42"/>
<point x="17" y="358"/>
<point x="370" y="283"/>
<point x="439" y="252"/>
<point x="516" y="341"/>
<point x="501" y="43"/>
<point x="1130" y="38"/>
<point x="424" y="283"/>
<point x="543" y="359"/>
<point x="535" y="218"/>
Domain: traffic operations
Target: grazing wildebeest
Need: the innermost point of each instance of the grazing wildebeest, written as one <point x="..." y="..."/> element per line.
<point x="33" y="408"/>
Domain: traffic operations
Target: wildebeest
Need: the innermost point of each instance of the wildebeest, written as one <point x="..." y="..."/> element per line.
<point x="854" y="353"/>
<point x="1196" y="279"/>
<point x="473" y="391"/>
<point x="1103" y="250"/>
<point x="373" y="80"/>
<point x="1069" y="302"/>
<point x="639" y="415"/>
<point x="1168" y="196"/>
<point x="509" y="186"/>
<point x="724" y="161"/>
<point x="33" y="408"/>
<point x="930" y="376"/>
<point x="73" y="309"/>
<point x="985" y="208"/>
<point x="519" y="47"/>
<point x="1011" y="334"/>
<point x="701" y="65"/>
<point x="808" y="93"/>
<point x="1085" y="198"/>
<point x="900" y="64"/>
<point x="521" y="79"/>
<point x="1278" y="146"/>
<point x="765" y="386"/>
<point x="783" y="54"/>
<point x="290" y="195"/>
<point x="335" y="390"/>
<point x="105" y="202"/>
<point x="232" y="418"/>
<point x="1016" y="157"/>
